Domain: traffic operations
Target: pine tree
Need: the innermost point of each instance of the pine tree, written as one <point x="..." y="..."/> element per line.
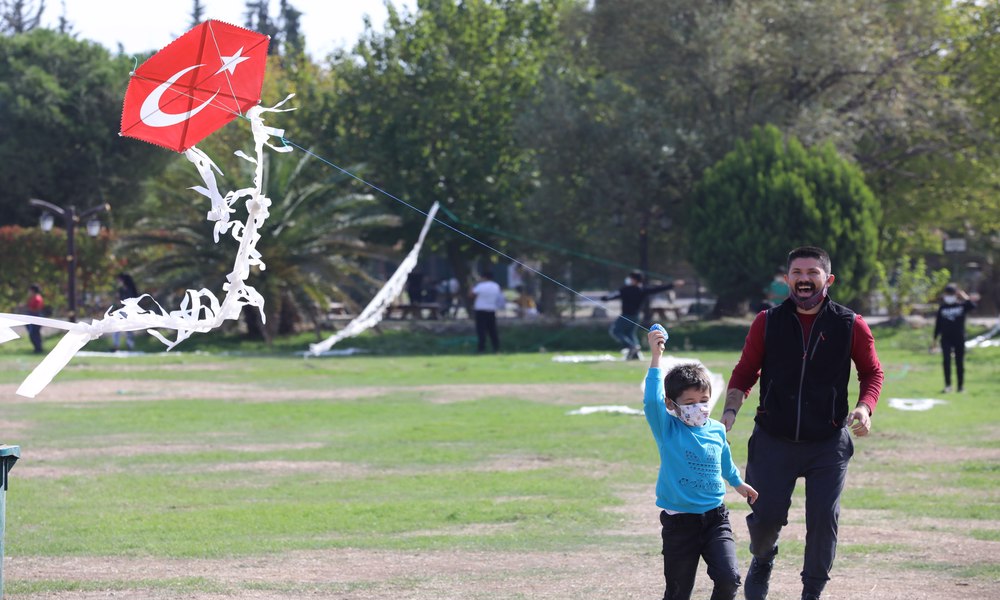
<point x="769" y="195"/>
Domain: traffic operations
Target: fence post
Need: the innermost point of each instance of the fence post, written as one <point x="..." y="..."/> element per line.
<point x="8" y="456"/>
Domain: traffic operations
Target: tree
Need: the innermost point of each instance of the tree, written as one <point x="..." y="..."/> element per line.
<point x="60" y="113"/>
<point x="197" y="13"/>
<point x="771" y="194"/>
<point x="19" y="16"/>
<point x="878" y="80"/>
<point x="431" y="105"/>
<point x="258" y="18"/>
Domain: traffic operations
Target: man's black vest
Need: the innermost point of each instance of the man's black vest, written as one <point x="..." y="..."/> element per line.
<point x="803" y="385"/>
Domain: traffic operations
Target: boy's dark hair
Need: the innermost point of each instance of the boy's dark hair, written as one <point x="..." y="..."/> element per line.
<point x="684" y="377"/>
<point x="636" y="276"/>
<point x="34" y="288"/>
<point x="810" y="252"/>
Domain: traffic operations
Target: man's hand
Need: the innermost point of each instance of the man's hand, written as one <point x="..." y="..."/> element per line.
<point x="734" y="400"/>
<point x="860" y="420"/>
<point x="728" y="418"/>
<point x="747" y="492"/>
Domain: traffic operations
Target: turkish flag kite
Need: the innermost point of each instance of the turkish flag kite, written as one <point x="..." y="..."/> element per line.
<point x="198" y="83"/>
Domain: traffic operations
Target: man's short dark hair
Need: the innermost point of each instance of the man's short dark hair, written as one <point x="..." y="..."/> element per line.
<point x="810" y="252"/>
<point x="34" y="288"/>
<point x="685" y="377"/>
<point x="636" y="276"/>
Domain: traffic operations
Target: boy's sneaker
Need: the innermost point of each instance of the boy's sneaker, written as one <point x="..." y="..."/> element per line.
<point x="946" y="390"/>
<point x="758" y="576"/>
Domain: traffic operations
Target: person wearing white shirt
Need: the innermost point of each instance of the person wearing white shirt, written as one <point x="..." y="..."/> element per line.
<point x="489" y="299"/>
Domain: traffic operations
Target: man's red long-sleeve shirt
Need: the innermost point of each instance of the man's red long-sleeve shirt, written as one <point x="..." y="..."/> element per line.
<point x="747" y="370"/>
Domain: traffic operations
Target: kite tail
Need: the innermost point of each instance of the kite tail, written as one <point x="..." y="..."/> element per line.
<point x="373" y="313"/>
<point x="200" y="311"/>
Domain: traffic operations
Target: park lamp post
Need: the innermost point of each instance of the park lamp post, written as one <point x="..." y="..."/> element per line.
<point x="71" y="218"/>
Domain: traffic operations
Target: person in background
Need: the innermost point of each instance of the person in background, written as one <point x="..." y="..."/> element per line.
<point x="950" y="326"/>
<point x="776" y="291"/>
<point x="415" y="287"/>
<point x="488" y="299"/>
<point x="35" y="307"/>
<point x="802" y="350"/>
<point x="126" y="289"/>
<point x="632" y="295"/>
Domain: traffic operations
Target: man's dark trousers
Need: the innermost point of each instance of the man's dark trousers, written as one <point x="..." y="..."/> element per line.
<point x="773" y="466"/>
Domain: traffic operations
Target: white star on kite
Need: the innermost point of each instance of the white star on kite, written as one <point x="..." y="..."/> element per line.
<point x="229" y="62"/>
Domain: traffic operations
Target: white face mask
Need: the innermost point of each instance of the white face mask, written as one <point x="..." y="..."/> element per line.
<point x="628" y="281"/>
<point x="694" y="415"/>
<point x="950" y="299"/>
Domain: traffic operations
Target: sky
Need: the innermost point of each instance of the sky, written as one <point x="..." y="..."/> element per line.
<point x="141" y="25"/>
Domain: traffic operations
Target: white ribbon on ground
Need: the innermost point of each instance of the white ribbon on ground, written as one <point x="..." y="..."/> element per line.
<point x="373" y="313"/>
<point x="200" y="311"/>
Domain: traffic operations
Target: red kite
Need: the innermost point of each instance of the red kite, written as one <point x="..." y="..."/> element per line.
<point x="198" y="83"/>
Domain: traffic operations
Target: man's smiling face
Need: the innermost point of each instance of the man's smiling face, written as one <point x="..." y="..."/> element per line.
<point x="806" y="276"/>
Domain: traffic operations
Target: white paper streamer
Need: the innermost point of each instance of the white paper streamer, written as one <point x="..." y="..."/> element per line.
<point x="619" y="409"/>
<point x="920" y="404"/>
<point x="373" y="313"/>
<point x="200" y="311"/>
<point x="985" y="340"/>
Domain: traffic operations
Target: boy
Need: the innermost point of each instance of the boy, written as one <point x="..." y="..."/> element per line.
<point x="632" y="294"/>
<point x="694" y="462"/>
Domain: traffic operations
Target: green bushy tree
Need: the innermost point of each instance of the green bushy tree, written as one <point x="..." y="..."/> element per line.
<point x="908" y="284"/>
<point x="771" y="194"/>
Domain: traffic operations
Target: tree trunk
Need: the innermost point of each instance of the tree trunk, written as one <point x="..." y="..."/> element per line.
<point x="256" y="329"/>
<point x="459" y="266"/>
<point x="288" y="315"/>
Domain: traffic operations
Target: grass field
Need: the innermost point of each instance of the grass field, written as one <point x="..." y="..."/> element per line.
<point x="247" y="472"/>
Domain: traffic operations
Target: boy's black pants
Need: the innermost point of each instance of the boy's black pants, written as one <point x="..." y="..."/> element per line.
<point x="689" y="537"/>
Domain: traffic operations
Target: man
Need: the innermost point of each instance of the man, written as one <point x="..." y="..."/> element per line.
<point x="488" y="299"/>
<point x="802" y="351"/>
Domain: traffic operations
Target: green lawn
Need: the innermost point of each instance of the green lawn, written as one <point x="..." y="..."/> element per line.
<point x="401" y="462"/>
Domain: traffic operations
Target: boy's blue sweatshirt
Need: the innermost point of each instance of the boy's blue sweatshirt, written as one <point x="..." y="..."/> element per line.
<point x="694" y="461"/>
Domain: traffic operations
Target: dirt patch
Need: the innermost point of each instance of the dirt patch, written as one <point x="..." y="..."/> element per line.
<point x="118" y="390"/>
<point x="374" y="574"/>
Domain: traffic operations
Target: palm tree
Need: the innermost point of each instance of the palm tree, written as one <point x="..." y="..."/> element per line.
<point x="313" y="244"/>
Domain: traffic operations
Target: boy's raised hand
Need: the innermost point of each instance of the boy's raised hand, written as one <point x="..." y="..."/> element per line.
<point x="657" y="337"/>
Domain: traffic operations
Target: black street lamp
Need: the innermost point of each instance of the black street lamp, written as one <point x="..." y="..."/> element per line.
<point x="71" y="218"/>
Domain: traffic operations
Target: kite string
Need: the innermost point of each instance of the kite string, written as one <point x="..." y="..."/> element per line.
<point x="456" y="230"/>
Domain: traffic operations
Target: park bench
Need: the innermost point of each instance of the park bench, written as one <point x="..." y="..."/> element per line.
<point x="423" y="310"/>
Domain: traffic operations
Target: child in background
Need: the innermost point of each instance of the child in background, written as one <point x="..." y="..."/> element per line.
<point x="695" y="464"/>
